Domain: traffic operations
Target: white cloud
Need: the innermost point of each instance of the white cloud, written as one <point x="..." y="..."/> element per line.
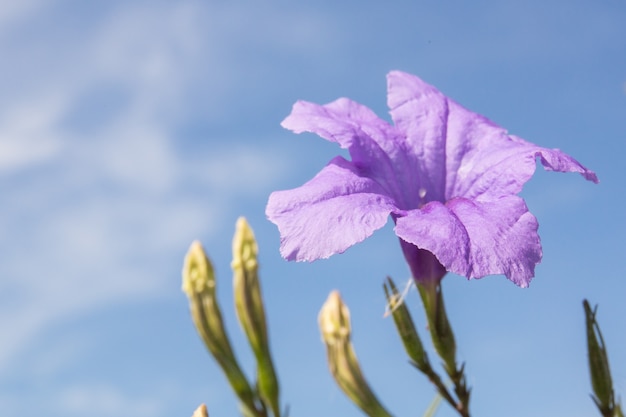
<point x="152" y="50"/>
<point x="137" y="155"/>
<point x="28" y="133"/>
<point x="12" y="11"/>
<point x="106" y="400"/>
<point x="90" y="215"/>
<point x="98" y="191"/>
<point x="242" y="169"/>
<point x="103" y="247"/>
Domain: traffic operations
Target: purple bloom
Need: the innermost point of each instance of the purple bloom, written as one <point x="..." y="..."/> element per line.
<point x="448" y="177"/>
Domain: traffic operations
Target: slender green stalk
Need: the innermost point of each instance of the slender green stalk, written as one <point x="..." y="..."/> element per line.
<point x="412" y="341"/>
<point x="444" y="342"/>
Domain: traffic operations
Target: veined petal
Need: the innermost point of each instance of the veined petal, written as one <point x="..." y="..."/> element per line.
<point x="458" y="153"/>
<point x="340" y="121"/>
<point x="330" y="213"/>
<point x="476" y="239"/>
<point x="375" y="146"/>
<point x="420" y="111"/>
<point x="556" y="160"/>
<point x="448" y="176"/>
<point x="484" y="162"/>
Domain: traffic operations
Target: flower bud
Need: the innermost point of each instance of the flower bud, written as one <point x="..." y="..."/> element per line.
<point x="201" y="411"/>
<point x="198" y="275"/>
<point x="334" y="323"/>
<point x="334" y="320"/>
<point x="251" y="313"/>
<point x="248" y="299"/>
<point x="199" y="285"/>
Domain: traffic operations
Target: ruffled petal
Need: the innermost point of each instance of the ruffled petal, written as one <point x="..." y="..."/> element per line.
<point x="447" y="175"/>
<point x="485" y="163"/>
<point x="476" y="239"/>
<point x="343" y="121"/>
<point x="459" y="153"/>
<point x="556" y="160"/>
<point x="328" y="214"/>
<point x="374" y="146"/>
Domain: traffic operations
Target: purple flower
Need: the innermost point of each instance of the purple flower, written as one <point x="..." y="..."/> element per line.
<point x="448" y="177"/>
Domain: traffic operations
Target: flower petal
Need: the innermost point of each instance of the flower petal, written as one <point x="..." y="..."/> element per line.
<point x="328" y="214"/>
<point x="459" y="153"/>
<point x="476" y="239"/>
<point x="420" y="111"/>
<point x="485" y="163"/>
<point x="375" y="146"/>
<point x="345" y="122"/>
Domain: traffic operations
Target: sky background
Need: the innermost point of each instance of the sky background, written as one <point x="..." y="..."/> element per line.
<point x="130" y="128"/>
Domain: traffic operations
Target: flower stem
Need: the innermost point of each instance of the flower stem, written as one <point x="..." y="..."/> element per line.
<point x="445" y="345"/>
<point x="411" y="340"/>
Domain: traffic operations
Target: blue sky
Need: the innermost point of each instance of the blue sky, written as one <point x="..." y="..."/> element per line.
<point x="130" y="128"/>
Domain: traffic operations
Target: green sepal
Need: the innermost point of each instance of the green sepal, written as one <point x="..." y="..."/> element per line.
<point x="601" y="382"/>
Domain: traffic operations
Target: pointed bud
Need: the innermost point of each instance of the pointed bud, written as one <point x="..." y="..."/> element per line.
<point x="251" y="313"/>
<point x="199" y="285"/>
<point x="198" y="275"/>
<point x="334" y="323"/>
<point x="601" y="381"/>
<point x="201" y="411"/>
<point x="248" y="299"/>
<point x="334" y="320"/>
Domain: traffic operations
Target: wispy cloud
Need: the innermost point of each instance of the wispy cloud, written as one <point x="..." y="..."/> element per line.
<point x="105" y="400"/>
<point x="28" y="133"/>
<point x="96" y="186"/>
<point x="12" y="11"/>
